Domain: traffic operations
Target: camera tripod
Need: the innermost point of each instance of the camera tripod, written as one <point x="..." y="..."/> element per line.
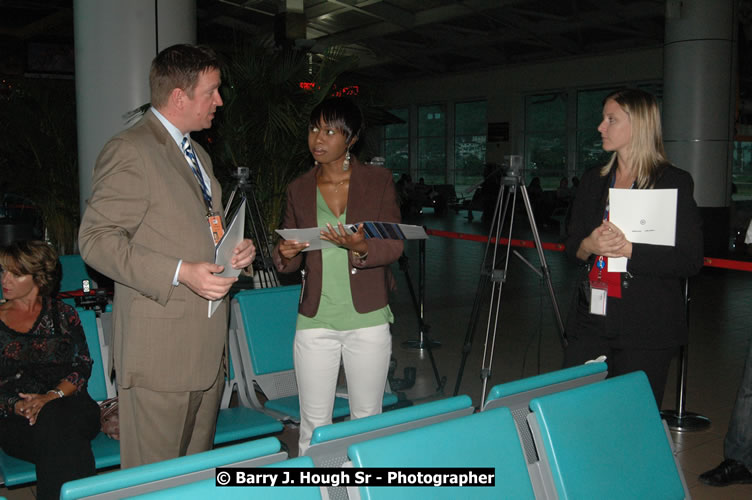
<point x="494" y="270"/>
<point x="263" y="265"/>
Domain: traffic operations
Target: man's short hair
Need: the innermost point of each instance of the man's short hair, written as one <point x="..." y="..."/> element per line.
<point x="179" y="66"/>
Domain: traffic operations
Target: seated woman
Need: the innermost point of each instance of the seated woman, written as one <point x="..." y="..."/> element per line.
<point x="46" y="414"/>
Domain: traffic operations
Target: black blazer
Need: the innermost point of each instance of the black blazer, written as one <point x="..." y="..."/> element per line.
<point x="651" y="313"/>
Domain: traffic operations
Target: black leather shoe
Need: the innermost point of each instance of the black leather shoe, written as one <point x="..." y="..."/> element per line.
<point x="729" y="472"/>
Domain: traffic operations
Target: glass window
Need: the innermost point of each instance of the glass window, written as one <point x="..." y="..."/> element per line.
<point x="589" y="115"/>
<point x="470" y="133"/>
<point x="546" y="138"/>
<point x="432" y="144"/>
<point x="396" y="143"/>
<point x="741" y="171"/>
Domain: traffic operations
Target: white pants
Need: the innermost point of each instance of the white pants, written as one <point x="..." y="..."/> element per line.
<point x="365" y="353"/>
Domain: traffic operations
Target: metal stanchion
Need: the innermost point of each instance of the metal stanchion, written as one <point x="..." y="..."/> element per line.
<point x="421" y="342"/>
<point x="679" y="419"/>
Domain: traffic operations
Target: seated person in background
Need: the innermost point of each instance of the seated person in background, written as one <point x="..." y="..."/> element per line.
<point x="535" y="190"/>
<point x="541" y="206"/>
<point x="46" y="414"/>
<point x="575" y="184"/>
<point x="563" y="193"/>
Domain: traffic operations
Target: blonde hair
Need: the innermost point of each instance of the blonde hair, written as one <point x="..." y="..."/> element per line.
<point x="35" y="258"/>
<point x="647" y="154"/>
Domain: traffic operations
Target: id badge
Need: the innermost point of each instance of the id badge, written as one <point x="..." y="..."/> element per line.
<point x="598" y="297"/>
<point x="215" y="226"/>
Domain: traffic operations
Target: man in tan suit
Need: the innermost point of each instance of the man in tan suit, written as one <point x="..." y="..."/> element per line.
<point x="146" y="226"/>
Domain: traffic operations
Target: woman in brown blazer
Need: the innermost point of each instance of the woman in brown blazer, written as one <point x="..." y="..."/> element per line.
<point x="344" y="312"/>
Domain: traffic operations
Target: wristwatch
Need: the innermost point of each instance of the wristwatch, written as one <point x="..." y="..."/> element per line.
<point x="58" y="392"/>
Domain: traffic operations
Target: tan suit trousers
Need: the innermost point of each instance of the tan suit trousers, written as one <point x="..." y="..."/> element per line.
<point x="157" y="425"/>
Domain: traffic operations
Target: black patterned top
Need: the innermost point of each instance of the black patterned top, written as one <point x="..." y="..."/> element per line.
<point x="34" y="362"/>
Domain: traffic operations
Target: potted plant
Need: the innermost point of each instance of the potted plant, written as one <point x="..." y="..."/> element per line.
<point x="39" y="158"/>
<point x="268" y="96"/>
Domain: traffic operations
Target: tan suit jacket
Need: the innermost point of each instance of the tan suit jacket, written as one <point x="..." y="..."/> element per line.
<point x="145" y="213"/>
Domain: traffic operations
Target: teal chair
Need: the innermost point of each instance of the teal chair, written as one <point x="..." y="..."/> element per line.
<point x="201" y="490"/>
<point x="241" y="422"/>
<point x="262" y="331"/>
<point x="487" y="439"/>
<point x="329" y="443"/>
<point x="606" y="440"/>
<point x="170" y="473"/>
<point x="516" y="396"/>
<point x="74" y="273"/>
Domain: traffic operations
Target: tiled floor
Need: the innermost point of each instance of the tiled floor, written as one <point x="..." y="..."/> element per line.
<point x="527" y="340"/>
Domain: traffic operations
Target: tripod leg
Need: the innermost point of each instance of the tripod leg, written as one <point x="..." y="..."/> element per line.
<point x="487" y="270"/>
<point x="268" y="273"/>
<point x="544" y="266"/>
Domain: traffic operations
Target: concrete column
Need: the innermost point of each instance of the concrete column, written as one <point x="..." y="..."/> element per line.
<point x="115" y="42"/>
<point x="699" y="93"/>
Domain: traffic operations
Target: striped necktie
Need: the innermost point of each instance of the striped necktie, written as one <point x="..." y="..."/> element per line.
<point x="193" y="162"/>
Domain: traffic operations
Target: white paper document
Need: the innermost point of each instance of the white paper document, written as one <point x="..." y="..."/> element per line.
<point x="377" y="230"/>
<point x="223" y="253"/>
<point x="645" y="216"/>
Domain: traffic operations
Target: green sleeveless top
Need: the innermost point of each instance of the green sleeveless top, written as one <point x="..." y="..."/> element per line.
<point x="336" y="309"/>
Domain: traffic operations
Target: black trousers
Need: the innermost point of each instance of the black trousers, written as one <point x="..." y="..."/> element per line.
<point x="622" y="360"/>
<point x="59" y="443"/>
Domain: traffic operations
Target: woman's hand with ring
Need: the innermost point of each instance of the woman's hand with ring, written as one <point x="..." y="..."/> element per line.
<point x="343" y="238"/>
<point x="290" y="248"/>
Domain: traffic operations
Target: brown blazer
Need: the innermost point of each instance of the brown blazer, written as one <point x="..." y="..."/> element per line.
<point x="145" y="213"/>
<point x="371" y="197"/>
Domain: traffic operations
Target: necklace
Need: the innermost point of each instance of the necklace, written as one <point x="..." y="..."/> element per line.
<point x="335" y="184"/>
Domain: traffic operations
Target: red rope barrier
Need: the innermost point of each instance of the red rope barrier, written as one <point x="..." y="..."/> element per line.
<point x="728" y="264"/>
<point x="559" y="247"/>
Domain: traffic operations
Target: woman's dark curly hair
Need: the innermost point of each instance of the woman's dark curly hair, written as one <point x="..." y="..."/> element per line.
<point x="35" y="258"/>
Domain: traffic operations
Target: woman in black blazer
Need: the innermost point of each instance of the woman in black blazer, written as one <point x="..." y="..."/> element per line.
<point x="645" y="317"/>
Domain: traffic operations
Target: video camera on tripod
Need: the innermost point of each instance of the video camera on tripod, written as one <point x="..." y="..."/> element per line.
<point x="494" y="269"/>
<point x="256" y="226"/>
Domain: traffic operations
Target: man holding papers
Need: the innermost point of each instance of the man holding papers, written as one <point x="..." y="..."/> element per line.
<point x="151" y="225"/>
<point x="630" y="300"/>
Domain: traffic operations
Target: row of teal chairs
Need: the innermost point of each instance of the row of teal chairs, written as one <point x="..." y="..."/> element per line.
<point x="592" y="438"/>
<point x="519" y="418"/>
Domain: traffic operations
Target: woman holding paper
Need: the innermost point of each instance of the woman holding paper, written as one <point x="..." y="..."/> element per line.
<point x="637" y="318"/>
<point x="344" y="312"/>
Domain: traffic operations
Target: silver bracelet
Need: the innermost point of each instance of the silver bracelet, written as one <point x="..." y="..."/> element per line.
<point x="58" y="392"/>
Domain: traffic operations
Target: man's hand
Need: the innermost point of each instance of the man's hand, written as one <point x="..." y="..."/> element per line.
<point x="243" y="254"/>
<point x="199" y="277"/>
